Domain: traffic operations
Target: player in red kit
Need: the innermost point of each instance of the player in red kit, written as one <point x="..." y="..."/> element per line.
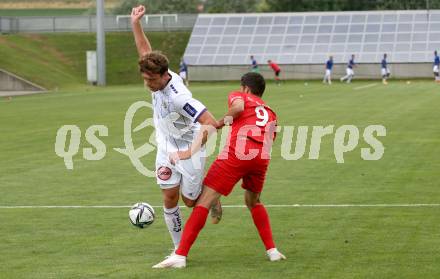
<point x="246" y="157"/>
<point x="276" y="69"/>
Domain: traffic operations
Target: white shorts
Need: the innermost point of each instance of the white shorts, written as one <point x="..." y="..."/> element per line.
<point x="186" y="173"/>
<point x="182" y="75"/>
<point x="384" y="71"/>
<point x="350" y="72"/>
<point x="435" y="69"/>
<point x="328" y="72"/>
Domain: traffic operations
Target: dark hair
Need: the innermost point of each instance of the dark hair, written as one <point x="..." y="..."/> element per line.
<point x="255" y="82"/>
<point x="153" y="62"/>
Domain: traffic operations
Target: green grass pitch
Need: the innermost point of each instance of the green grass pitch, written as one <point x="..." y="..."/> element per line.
<point x="320" y="242"/>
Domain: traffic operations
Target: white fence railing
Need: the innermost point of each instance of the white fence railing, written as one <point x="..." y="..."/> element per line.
<point x="48" y="24"/>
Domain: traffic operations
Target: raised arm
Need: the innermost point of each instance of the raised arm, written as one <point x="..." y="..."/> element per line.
<point x="142" y="43"/>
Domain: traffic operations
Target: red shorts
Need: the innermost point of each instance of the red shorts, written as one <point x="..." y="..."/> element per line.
<point x="225" y="173"/>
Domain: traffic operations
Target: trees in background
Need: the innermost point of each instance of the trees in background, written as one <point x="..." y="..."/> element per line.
<point x="348" y="5"/>
<point x="231" y="6"/>
<point x="159" y="6"/>
<point x="249" y="6"/>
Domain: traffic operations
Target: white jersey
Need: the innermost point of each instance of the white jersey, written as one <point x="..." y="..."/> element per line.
<point x="175" y="115"/>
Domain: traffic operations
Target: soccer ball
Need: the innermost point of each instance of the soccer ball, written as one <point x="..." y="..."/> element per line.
<point x="141" y="215"/>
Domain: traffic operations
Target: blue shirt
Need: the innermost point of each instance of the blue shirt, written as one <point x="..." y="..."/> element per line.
<point x="183" y="67"/>
<point x="254" y="64"/>
<point x="437" y="60"/>
<point x="329" y="65"/>
<point x="384" y="63"/>
<point x="350" y="64"/>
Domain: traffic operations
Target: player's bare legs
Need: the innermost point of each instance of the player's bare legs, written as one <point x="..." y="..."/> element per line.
<point x="208" y="197"/>
<point x="211" y="199"/>
<point x="216" y="212"/>
<point x="262" y="222"/>
<point x="188" y="202"/>
<point x="277" y="79"/>
<point x="216" y="208"/>
<point x="170" y="196"/>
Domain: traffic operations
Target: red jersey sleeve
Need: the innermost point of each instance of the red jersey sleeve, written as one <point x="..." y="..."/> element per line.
<point x="234" y="96"/>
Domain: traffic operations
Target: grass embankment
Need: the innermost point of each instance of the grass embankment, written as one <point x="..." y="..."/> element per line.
<point x="59" y="60"/>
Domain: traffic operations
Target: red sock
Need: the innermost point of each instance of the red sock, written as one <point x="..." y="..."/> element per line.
<point x="261" y="221"/>
<point x="193" y="226"/>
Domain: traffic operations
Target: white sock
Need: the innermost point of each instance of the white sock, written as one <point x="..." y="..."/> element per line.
<point x="173" y="219"/>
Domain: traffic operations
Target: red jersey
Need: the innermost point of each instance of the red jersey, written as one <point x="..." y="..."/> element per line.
<point x="247" y="154"/>
<point x="274" y="66"/>
<point x="257" y="122"/>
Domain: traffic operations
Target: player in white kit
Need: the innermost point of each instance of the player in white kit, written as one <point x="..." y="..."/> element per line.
<point x="350" y="72"/>
<point x="177" y="119"/>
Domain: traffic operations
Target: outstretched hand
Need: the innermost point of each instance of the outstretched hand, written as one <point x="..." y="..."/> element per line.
<point x="137" y="13"/>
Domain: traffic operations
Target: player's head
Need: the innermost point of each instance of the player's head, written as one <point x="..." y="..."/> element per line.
<point x="253" y="83"/>
<point x="384" y="55"/>
<point x="331" y="58"/>
<point x="352" y="56"/>
<point x="154" y="69"/>
<point x="435" y="52"/>
<point x="252" y="57"/>
<point x="269" y="61"/>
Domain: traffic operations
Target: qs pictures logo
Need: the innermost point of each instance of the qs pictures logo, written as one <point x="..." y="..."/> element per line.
<point x="93" y="133"/>
<point x="346" y="139"/>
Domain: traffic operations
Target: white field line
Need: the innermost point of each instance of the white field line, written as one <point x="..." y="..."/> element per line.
<point x="228" y="206"/>
<point x="366" y="86"/>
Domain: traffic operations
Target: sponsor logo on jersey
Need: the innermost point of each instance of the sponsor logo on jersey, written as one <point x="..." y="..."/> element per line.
<point x="164" y="173"/>
<point x="173" y="88"/>
<point x="190" y="109"/>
